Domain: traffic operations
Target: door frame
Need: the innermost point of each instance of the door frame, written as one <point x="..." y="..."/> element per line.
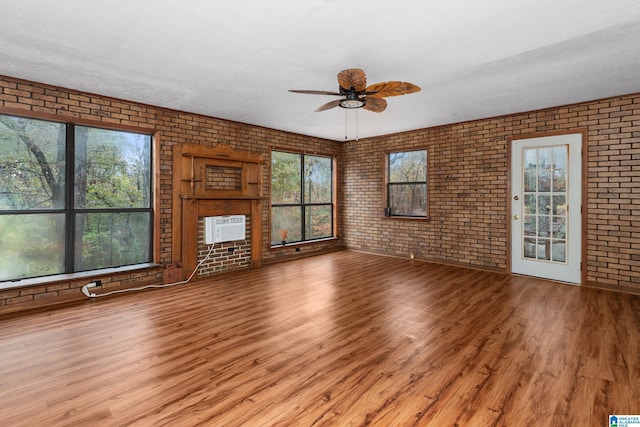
<point x="583" y="249"/>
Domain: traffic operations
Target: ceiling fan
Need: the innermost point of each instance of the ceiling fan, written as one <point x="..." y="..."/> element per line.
<point x="356" y="94"/>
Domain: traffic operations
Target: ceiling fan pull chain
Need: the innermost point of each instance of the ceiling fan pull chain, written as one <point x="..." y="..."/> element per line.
<point x="345" y="125"/>
<point x="356" y="125"/>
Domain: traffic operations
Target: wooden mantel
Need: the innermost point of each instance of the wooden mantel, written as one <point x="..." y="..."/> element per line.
<point x="211" y="181"/>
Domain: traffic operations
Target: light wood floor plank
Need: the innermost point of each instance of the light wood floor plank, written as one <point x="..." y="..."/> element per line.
<point x="342" y="339"/>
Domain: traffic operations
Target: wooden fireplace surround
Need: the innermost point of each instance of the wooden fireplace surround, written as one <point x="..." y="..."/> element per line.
<point x="194" y="197"/>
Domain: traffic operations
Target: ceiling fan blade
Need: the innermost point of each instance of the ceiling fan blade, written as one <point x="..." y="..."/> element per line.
<point x="328" y="105"/>
<point x="377" y="105"/>
<point x="352" y="78"/>
<point x="384" y="89"/>
<point x="314" y="92"/>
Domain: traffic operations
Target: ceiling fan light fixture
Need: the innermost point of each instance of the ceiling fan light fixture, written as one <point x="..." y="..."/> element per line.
<point x="352" y="103"/>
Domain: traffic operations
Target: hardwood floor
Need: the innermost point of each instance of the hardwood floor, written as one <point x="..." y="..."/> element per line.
<point x="341" y="339"/>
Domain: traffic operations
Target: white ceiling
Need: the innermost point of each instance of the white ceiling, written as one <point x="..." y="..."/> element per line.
<point x="237" y="59"/>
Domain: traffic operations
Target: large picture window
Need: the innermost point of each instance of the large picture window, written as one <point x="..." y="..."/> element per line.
<point x="301" y="197"/>
<point x="407" y="184"/>
<point x="72" y="198"/>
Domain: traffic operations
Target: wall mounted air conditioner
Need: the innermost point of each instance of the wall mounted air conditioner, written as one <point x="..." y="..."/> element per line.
<point x="224" y="228"/>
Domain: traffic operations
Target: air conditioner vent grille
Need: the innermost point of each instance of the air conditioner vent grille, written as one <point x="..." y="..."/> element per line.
<point x="226" y="228"/>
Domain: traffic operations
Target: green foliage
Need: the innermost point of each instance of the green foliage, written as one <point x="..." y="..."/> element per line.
<point x="285" y="178"/>
<point x="31" y="245"/>
<point x="32" y="164"/>
<point x="114" y="161"/>
<point x="301" y="187"/>
<point x="111" y="171"/>
<point x="110" y="239"/>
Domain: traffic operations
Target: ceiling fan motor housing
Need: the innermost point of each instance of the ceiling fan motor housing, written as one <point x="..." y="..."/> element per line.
<point x="352" y="100"/>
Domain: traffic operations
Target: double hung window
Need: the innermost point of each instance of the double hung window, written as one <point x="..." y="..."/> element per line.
<point x="406" y="189"/>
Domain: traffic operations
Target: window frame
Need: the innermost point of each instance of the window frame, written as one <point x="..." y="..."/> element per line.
<point x="70" y="212"/>
<point x="303" y="204"/>
<point x="386" y="202"/>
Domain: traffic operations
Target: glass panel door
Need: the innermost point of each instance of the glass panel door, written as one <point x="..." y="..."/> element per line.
<point x="546" y="232"/>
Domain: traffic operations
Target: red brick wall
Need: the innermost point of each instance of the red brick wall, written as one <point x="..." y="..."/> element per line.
<point x="468" y="168"/>
<point x="227" y="256"/>
<point x="172" y="127"/>
<point x="27" y="297"/>
<point x="468" y="175"/>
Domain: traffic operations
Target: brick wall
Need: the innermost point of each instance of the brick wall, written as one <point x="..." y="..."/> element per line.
<point x="222" y="178"/>
<point x="468" y="190"/>
<point x="56" y="292"/>
<point x="171" y="127"/>
<point x="226" y="256"/>
<point x="468" y="175"/>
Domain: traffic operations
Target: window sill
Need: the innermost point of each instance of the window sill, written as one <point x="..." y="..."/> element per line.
<point x="45" y="280"/>
<point x="407" y="218"/>
<point x="300" y="244"/>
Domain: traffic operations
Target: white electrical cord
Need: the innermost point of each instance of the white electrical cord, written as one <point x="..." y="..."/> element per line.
<point x="85" y="288"/>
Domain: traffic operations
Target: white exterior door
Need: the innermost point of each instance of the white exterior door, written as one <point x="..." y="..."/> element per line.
<point x="546" y="218"/>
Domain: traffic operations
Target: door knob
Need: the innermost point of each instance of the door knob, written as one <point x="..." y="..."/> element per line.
<point x="516" y="216"/>
<point x="516" y="198"/>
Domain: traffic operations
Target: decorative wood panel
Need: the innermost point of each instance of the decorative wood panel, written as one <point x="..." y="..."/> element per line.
<point x="211" y="181"/>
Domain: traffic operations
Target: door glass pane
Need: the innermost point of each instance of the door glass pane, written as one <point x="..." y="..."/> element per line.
<point x="530" y="225"/>
<point x="560" y="157"/>
<point x="530" y="204"/>
<point x="31" y="245"/>
<point x="530" y="159"/>
<point x="543" y="226"/>
<point x="559" y="251"/>
<point x="112" y="239"/>
<point x="559" y="180"/>
<point x="530" y="180"/>
<point x="32" y="162"/>
<point x="560" y="169"/>
<point x="559" y="204"/>
<point x="287" y="218"/>
<point x="544" y="169"/>
<point x="543" y="249"/>
<point x="544" y="204"/>
<point x="545" y="207"/>
<point x="529" y="248"/>
<point x="544" y="180"/>
<point x="559" y="227"/>
<point x="545" y="159"/>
